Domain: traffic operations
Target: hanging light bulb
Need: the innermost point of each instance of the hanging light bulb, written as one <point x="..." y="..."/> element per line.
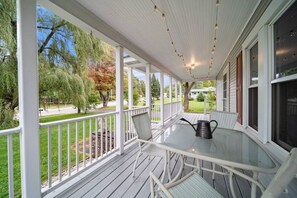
<point x="215" y="40"/>
<point x="172" y="44"/>
<point x="216" y="26"/>
<point x="214" y="47"/>
<point x="163" y="16"/>
<point x="212" y="51"/>
<point x="155" y="8"/>
<point x="217" y="2"/>
<point x="167" y="30"/>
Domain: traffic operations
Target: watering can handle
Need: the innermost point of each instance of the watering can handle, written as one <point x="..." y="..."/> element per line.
<point x="215" y="126"/>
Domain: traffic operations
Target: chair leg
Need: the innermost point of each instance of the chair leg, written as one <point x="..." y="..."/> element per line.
<point x="213" y="168"/>
<point x="165" y="168"/>
<point x="135" y="163"/>
<point x="231" y="184"/>
<point x="168" y="166"/>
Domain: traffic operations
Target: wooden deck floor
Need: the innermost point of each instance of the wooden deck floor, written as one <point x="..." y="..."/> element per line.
<point x="114" y="178"/>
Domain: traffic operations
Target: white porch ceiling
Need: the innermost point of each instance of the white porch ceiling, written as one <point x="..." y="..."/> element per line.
<point x="191" y="23"/>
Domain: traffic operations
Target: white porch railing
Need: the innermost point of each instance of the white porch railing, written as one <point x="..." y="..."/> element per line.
<point x="74" y="144"/>
<point x="172" y="109"/>
<point x="156" y="113"/>
<point x="11" y="135"/>
<point x="130" y="134"/>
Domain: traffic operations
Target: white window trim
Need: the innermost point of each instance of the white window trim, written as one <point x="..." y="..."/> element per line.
<point x="226" y="71"/>
<point x="272" y="13"/>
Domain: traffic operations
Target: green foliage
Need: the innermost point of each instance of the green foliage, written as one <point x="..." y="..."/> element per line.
<point x="200" y="97"/>
<point x="7" y="118"/>
<point x="211" y="100"/>
<point x="155" y="87"/>
<point x="136" y="97"/>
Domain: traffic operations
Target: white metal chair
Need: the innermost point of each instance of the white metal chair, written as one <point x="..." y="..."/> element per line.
<point x="142" y="125"/>
<point x="225" y="119"/>
<point x="193" y="185"/>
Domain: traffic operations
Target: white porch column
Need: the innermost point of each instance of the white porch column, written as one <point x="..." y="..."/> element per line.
<point x="180" y="95"/>
<point x="170" y="95"/>
<point x="120" y="133"/>
<point x="162" y="97"/>
<point x="263" y="84"/>
<point x="148" y="95"/>
<point x="28" y="98"/>
<point x="175" y="87"/>
<point x="130" y="87"/>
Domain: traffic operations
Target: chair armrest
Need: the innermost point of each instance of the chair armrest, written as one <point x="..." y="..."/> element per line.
<point x="153" y="179"/>
<point x="231" y="170"/>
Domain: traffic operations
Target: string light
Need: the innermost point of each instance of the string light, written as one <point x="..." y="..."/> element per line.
<point x="218" y="3"/>
<point x="212" y="49"/>
<point x="163" y="16"/>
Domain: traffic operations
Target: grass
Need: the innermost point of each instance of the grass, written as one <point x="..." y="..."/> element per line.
<point x="194" y="106"/>
<point x="43" y="151"/>
<point x="198" y="107"/>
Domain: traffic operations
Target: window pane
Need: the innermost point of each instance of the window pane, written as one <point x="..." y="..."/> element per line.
<point x="284" y="114"/>
<point x="285" y="43"/>
<point x="254" y="65"/>
<point x="253" y="108"/>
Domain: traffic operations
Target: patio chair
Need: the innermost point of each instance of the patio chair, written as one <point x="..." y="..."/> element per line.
<point x="225" y="120"/>
<point x="142" y="125"/>
<point x="193" y="185"/>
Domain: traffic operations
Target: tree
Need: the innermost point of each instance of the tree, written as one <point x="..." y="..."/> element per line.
<point x="155" y="87"/>
<point x="200" y="97"/>
<point x="187" y="87"/>
<point x="104" y="77"/>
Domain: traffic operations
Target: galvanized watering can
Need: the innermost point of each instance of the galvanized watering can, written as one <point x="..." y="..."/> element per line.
<point x="203" y="129"/>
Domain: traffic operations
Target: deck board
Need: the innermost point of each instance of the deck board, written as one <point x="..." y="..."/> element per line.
<point x="114" y="179"/>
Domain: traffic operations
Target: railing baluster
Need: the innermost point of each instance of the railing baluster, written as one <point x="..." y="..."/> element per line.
<point x="110" y="133"/>
<point x="84" y="143"/>
<point x="76" y="146"/>
<point x="10" y="166"/>
<point x="49" y="156"/>
<point x="115" y="132"/>
<point x="96" y="138"/>
<point x="106" y="145"/>
<point x="69" y="149"/>
<point x="101" y="137"/>
<point x="60" y="152"/>
<point x="90" y="141"/>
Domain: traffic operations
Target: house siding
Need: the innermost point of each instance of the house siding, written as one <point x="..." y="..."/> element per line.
<point x="232" y="59"/>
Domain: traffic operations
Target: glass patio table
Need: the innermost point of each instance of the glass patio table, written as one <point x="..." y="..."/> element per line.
<point x="230" y="148"/>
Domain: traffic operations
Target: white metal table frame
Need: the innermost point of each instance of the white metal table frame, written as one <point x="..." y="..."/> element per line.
<point x="178" y="139"/>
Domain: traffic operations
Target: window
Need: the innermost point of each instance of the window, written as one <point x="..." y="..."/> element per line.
<point x="285" y="43"/>
<point x="253" y="88"/>
<point x="225" y="87"/>
<point x="284" y="90"/>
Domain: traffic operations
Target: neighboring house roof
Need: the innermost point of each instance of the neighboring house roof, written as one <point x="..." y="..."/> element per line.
<point x="204" y="89"/>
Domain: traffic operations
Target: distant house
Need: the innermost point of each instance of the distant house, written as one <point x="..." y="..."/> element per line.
<point x="195" y="92"/>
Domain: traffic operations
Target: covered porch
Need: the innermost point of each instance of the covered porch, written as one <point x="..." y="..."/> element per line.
<point x="186" y="42"/>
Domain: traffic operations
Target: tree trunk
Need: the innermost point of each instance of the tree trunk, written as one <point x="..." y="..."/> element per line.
<point x="186" y="94"/>
<point x="78" y="110"/>
<point x="104" y="98"/>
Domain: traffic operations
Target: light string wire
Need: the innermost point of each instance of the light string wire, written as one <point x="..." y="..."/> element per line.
<point x="179" y="54"/>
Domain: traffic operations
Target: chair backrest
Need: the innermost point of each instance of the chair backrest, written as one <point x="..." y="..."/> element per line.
<point x="283" y="177"/>
<point x="225" y="119"/>
<point x="142" y="125"/>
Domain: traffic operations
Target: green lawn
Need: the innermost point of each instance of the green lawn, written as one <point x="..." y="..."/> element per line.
<point x="43" y="151"/>
<point x="194" y="106"/>
<point x="198" y="107"/>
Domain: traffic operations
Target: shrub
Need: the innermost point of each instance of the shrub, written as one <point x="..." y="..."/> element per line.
<point x="200" y="97"/>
